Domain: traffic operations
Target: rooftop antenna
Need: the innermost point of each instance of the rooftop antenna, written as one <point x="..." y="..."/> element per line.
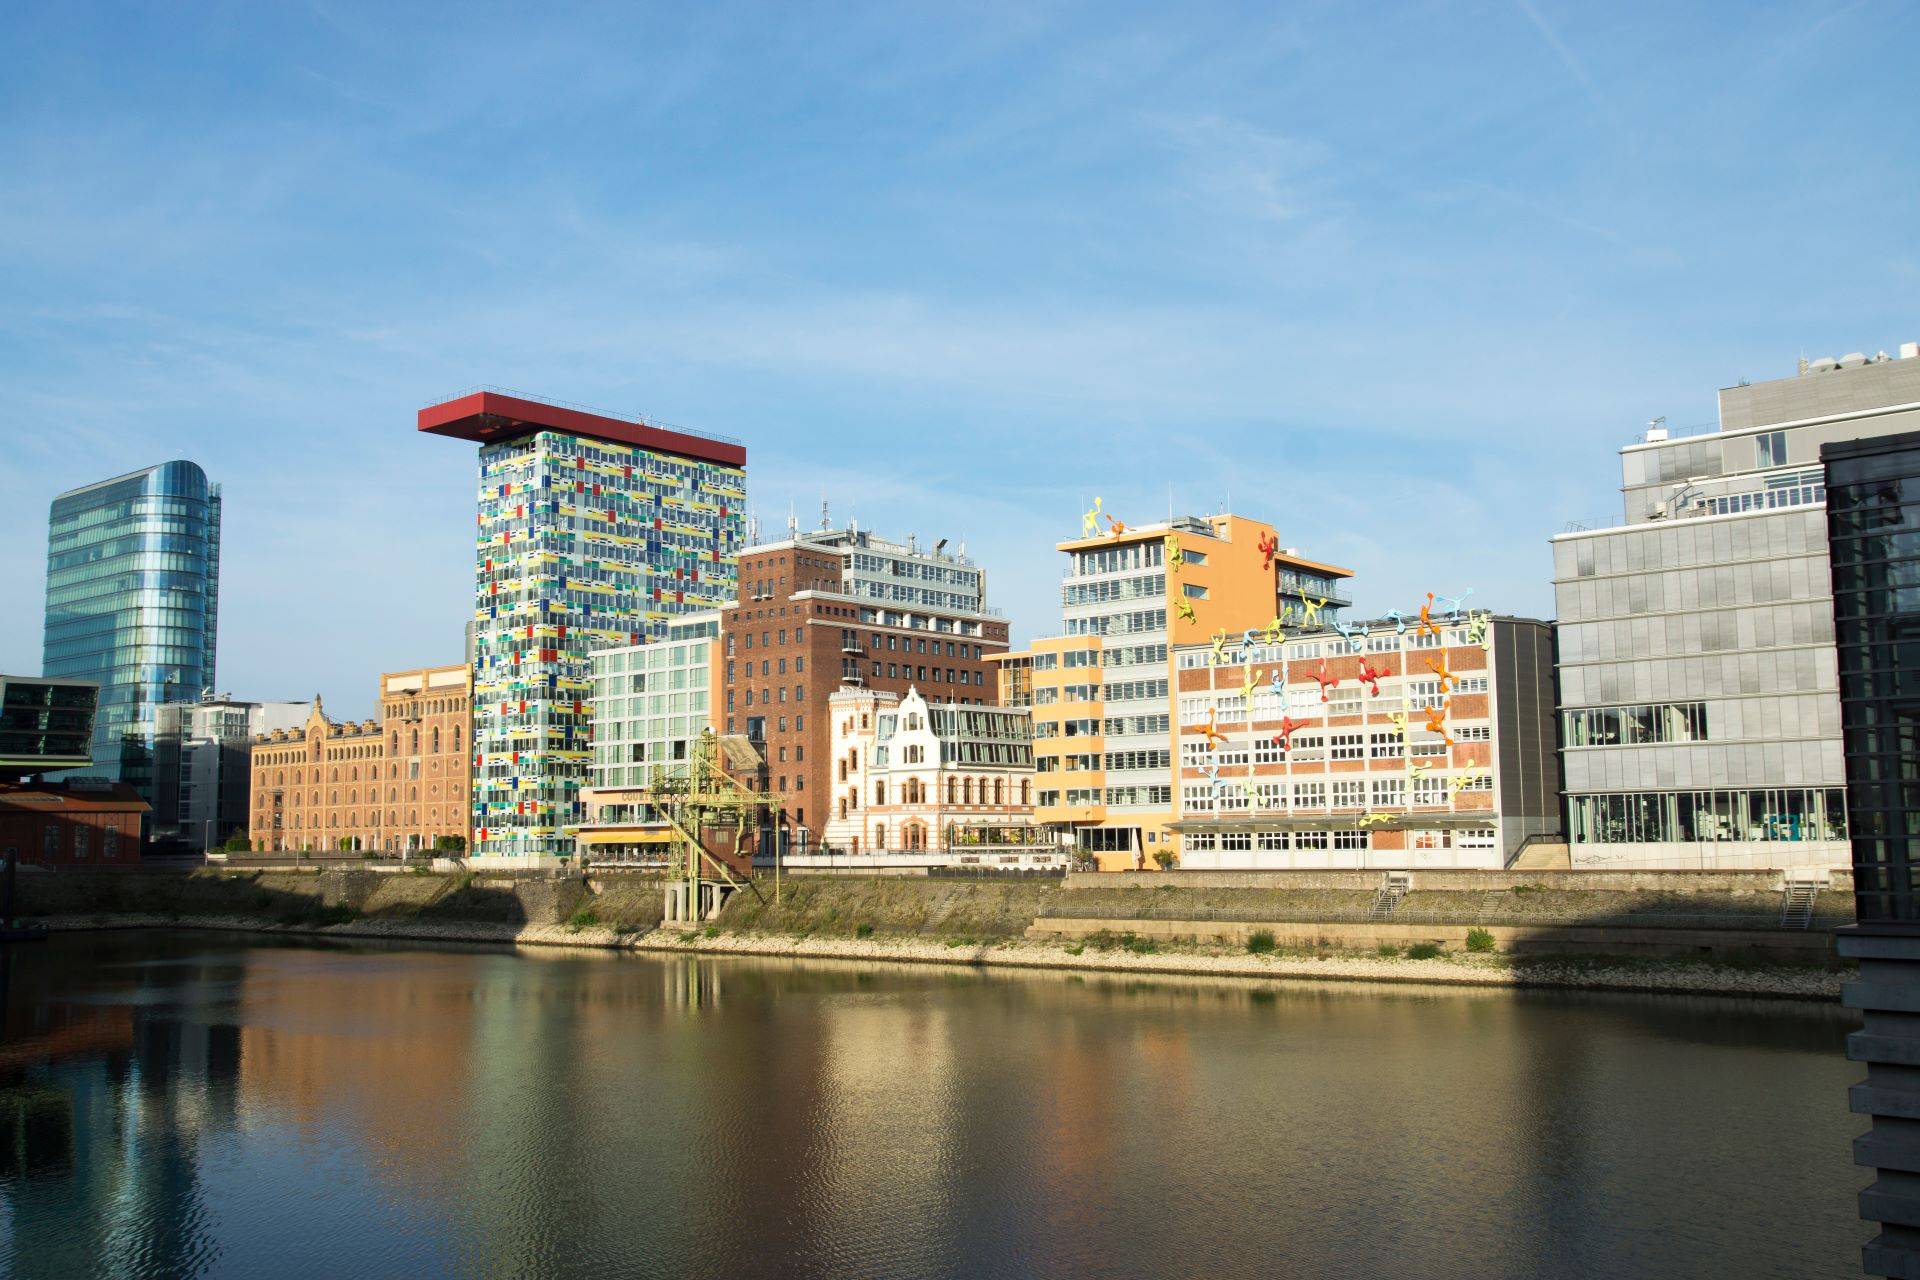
<point x="825" y="522"/>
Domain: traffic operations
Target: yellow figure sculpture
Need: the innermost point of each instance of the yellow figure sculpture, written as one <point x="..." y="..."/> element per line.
<point x="1419" y="770"/>
<point x="1477" y="630"/>
<point x="1399" y="719"/>
<point x="1375" y="818"/>
<point x="1090" y="520"/>
<point x="1276" y="631"/>
<point x="1219" y="654"/>
<point x="1175" y="558"/>
<point x="1248" y="684"/>
<point x="1183" y="611"/>
<point x="1312" y="609"/>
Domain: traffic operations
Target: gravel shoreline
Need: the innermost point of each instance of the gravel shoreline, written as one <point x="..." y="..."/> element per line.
<point x="1677" y="977"/>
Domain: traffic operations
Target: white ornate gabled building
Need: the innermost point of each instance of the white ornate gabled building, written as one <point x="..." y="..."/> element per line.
<point x="911" y="776"/>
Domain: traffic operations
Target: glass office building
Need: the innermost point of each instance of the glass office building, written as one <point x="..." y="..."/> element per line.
<point x="1873" y="523"/>
<point x="133" y="594"/>
<point x="1699" y="695"/>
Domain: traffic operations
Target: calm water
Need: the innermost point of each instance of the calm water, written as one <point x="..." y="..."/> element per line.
<point x="192" y="1105"/>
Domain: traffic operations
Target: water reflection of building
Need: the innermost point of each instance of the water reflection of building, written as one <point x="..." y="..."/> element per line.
<point x="102" y="1108"/>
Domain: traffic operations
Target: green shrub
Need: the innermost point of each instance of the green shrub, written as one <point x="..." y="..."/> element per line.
<point x="713" y="931"/>
<point x="450" y="844"/>
<point x="1167" y="859"/>
<point x="863" y="930"/>
<point x="1260" y="941"/>
<point x="1141" y="946"/>
<point x="1076" y="948"/>
<point x="1479" y="940"/>
<point x="1387" y="951"/>
<point x="1424" y="951"/>
<point x="584" y="918"/>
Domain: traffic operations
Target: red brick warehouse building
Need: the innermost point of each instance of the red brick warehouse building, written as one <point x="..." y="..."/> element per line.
<point x="836" y="607"/>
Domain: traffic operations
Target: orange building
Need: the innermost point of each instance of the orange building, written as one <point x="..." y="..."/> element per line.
<point x="393" y="785"/>
<point x="1103" y="692"/>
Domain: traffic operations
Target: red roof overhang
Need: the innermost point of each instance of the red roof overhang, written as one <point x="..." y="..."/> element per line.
<point x="488" y="416"/>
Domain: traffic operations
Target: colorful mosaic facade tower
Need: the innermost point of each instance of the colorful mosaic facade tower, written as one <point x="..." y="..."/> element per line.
<point x="592" y="531"/>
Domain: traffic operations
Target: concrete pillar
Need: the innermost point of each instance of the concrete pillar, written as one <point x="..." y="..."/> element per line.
<point x="1887" y="994"/>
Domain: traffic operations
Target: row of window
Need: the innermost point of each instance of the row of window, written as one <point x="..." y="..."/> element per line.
<point x="1782" y="814"/>
<point x="1241" y="841"/>
<point x="1429" y="791"/>
<point x="1637" y="725"/>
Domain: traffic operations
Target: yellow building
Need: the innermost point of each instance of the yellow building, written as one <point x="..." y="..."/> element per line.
<point x="1102" y="693"/>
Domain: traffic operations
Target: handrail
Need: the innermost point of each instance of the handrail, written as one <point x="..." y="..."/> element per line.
<point x="640" y="418"/>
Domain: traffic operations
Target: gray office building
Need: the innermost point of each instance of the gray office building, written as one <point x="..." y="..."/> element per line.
<point x="202" y="768"/>
<point x="1700" y="716"/>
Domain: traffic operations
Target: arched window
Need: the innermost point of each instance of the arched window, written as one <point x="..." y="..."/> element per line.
<point x="916" y="837"/>
<point x="416" y="743"/>
<point x="456" y="737"/>
<point x="966" y="790"/>
<point x="396" y="742"/>
<point x="1026" y="792"/>
<point x="953" y="790"/>
<point x="843" y="806"/>
<point x="436" y="739"/>
<point x="879" y="793"/>
<point x="879" y="836"/>
<point x="999" y="796"/>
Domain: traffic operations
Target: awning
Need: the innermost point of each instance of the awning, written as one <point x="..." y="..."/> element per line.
<point x="625" y="835"/>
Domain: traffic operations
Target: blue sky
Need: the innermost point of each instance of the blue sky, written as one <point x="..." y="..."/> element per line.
<point x="1400" y="278"/>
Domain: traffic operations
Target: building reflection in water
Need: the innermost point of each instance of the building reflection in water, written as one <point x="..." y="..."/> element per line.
<point x="179" y="1106"/>
<point x="103" y="1109"/>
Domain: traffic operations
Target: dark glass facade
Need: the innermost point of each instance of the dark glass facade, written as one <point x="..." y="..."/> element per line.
<point x="133" y="591"/>
<point x="1873" y="522"/>
<point x="44" y="724"/>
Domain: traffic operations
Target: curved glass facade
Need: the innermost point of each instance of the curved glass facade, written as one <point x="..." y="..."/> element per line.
<point x="133" y="590"/>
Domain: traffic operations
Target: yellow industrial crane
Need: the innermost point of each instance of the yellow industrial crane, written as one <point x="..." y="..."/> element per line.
<point x="704" y="800"/>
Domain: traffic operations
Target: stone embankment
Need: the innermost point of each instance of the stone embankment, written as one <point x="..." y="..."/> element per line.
<point x="1666" y="931"/>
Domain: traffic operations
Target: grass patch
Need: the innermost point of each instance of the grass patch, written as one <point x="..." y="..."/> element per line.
<point x="1387" y="951"/>
<point x="1076" y="948"/>
<point x="1479" y="940"/>
<point x="315" y="915"/>
<point x="1142" y="946"/>
<point x="584" y="918"/>
<point x="1260" y="941"/>
<point x="713" y="931"/>
<point x="1424" y="951"/>
<point x="863" y="930"/>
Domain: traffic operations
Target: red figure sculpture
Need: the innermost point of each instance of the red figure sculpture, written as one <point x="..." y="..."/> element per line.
<point x="1371" y="678"/>
<point x="1287" y="725"/>
<point x="1267" y="545"/>
<point x="1326" y="681"/>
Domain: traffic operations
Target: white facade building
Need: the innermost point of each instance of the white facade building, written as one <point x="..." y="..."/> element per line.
<point x="913" y="777"/>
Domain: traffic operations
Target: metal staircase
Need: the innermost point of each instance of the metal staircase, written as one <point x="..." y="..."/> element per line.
<point x="1796" y="909"/>
<point x="1387" y="898"/>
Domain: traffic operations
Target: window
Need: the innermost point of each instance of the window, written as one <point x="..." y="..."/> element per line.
<point x="1771" y="448"/>
<point x="1349" y="746"/>
<point x="1350" y="793"/>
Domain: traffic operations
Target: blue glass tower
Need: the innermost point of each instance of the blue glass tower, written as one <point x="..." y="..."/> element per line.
<point x="133" y="592"/>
